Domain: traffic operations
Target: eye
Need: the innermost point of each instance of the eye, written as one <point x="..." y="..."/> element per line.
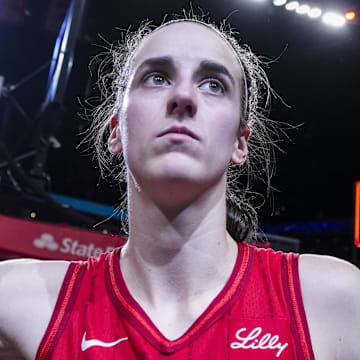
<point x="213" y="86"/>
<point x="155" y="80"/>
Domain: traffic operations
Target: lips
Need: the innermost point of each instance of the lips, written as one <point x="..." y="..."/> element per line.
<point x="179" y="130"/>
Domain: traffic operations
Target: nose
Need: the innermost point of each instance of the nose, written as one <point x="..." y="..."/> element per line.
<point x="182" y="101"/>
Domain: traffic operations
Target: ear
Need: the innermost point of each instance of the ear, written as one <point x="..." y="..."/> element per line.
<point x="240" y="151"/>
<point x="114" y="141"/>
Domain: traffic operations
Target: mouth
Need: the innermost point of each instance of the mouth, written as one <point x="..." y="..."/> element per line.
<point x="179" y="130"/>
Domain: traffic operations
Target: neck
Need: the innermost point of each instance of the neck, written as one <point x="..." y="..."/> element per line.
<point x="177" y="252"/>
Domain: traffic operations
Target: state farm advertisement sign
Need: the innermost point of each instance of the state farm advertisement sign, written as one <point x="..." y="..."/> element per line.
<point x="40" y="240"/>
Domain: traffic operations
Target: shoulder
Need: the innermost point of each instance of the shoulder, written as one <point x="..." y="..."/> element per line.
<point x="330" y="275"/>
<point x="29" y="273"/>
<point x="331" y="291"/>
<point x="28" y="293"/>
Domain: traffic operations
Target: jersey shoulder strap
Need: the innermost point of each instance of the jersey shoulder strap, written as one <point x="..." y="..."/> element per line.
<point x="292" y="292"/>
<point x="63" y="307"/>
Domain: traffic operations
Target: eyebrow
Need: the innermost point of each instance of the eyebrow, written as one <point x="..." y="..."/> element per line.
<point x="205" y="66"/>
<point x="215" y="67"/>
<point x="163" y="61"/>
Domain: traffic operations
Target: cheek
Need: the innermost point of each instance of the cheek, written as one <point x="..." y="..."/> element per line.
<point x="227" y="129"/>
<point x="131" y="118"/>
<point x="136" y="131"/>
<point x="127" y="116"/>
<point x="223" y="138"/>
<point x="139" y="110"/>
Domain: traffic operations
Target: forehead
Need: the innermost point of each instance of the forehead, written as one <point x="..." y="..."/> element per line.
<point x="187" y="41"/>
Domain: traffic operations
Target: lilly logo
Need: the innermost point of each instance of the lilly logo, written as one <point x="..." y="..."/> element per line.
<point x="46" y="241"/>
<point x="256" y="340"/>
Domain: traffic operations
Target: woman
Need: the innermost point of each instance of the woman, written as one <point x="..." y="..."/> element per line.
<point x="185" y="105"/>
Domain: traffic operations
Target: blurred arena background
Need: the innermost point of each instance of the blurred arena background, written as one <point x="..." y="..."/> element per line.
<point x="51" y="194"/>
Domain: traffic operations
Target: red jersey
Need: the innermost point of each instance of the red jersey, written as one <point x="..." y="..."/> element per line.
<point x="259" y="314"/>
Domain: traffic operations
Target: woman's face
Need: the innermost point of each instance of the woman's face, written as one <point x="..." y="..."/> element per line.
<point x="182" y="108"/>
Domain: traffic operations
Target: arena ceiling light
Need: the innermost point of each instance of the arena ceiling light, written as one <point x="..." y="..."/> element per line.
<point x="333" y="19"/>
<point x="303" y="9"/>
<point x="292" y="5"/>
<point x="279" y="2"/>
<point x="314" y="13"/>
<point x="329" y="18"/>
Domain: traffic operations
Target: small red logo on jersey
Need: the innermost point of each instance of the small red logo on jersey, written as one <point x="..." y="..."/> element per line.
<point x="252" y="341"/>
